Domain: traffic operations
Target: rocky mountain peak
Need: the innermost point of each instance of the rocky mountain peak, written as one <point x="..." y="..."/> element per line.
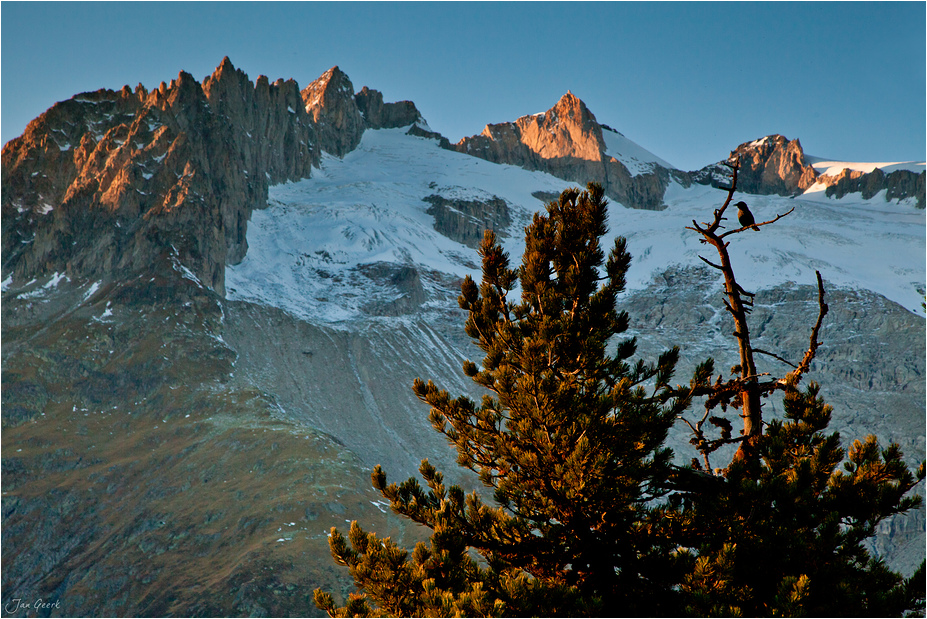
<point x="771" y="165"/>
<point x="574" y="127"/>
<point x="330" y="101"/>
<point x="775" y="165"/>
<point x="567" y="142"/>
<point x="380" y="115"/>
<point x="331" y="85"/>
<point x="570" y="107"/>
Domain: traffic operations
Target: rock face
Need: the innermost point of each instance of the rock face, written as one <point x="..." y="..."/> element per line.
<point x="379" y="115"/>
<point x="567" y="142"/>
<point x="107" y="181"/>
<point x="770" y="165"/>
<point x="898" y="185"/>
<point x="465" y="220"/>
<point x="329" y="100"/>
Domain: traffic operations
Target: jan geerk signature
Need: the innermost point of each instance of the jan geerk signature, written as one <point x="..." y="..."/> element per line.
<point x="18" y="604"/>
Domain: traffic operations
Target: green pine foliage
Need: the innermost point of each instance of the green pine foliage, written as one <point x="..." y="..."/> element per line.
<point x="788" y="540"/>
<point x="588" y="515"/>
<point x="567" y="440"/>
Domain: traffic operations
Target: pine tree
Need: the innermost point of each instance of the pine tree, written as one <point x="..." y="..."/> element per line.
<point x="589" y="516"/>
<point x="568" y="441"/>
<point x="784" y="537"/>
<point x="780" y="530"/>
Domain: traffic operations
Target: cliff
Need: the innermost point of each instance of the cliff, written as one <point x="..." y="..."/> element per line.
<point x="567" y="142"/>
<point x="106" y="181"/>
<point x="898" y="184"/>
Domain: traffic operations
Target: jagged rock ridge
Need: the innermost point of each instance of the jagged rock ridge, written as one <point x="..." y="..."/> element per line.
<point x="898" y="184"/>
<point x="342" y="116"/>
<point x="105" y="182"/>
<point x="109" y="182"/>
<point x="380" y="115"/>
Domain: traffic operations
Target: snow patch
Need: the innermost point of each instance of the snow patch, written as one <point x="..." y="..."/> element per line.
<point x="55" y="280"/>
<point x="310" y="250"/>
<point x="637" y="159"/>
<point x="92" y="290"/>
<point x="107" y="313"/>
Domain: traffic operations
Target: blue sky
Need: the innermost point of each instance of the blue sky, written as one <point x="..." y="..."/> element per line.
<point x="688" y="81"/>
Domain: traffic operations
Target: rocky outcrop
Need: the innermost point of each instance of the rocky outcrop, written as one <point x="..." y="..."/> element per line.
<point x="106" y="182"/>
<point x="329" y="100"/>
<point x="567" y="142"/>
<point x="898" y="185"/>
<point x="404" y="280"/>
<point x="379" y="115"/>
<point x="771" y="165"/>
<point x="775" y="165"/>
<point x="465" y="220"/>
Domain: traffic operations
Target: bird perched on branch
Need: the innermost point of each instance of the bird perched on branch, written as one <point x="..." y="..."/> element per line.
<point x="745" y="217"/>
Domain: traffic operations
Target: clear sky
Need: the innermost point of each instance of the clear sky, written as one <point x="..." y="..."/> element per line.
<point x="688" y="81"/>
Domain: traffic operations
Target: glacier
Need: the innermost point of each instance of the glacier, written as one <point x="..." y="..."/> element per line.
<point x="306" y="248"/>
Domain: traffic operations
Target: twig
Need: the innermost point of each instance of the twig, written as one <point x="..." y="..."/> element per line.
<point x="792" y="378"/>
<point x="775" y="356"/>
<point x="711" y="264"/>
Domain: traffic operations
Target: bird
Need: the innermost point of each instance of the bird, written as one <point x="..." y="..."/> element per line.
<point x="745" y="217"/>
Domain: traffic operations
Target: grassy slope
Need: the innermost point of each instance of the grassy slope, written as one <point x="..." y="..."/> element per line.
<point x="137" y="481"/>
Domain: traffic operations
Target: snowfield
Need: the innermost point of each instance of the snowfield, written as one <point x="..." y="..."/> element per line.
<point x="637" y="159"/>
<point x="306" y="247"/>
<point x="833" y="168"/>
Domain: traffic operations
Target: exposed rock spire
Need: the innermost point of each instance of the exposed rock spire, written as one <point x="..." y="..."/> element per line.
<point x="329" y="100"/>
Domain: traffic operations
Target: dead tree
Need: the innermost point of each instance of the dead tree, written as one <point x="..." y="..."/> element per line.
<point x="745" y="390"/>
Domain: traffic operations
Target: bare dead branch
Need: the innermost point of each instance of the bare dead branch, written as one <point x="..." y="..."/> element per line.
<point x="719" y="214"/>
<point x="775" y="356"/>
<point x="728" y="307"/>
<point x="764" y="223"/>
<point x="711" y="264"/>
<point x="745" y="391"/>
<point x="792" y="378"/>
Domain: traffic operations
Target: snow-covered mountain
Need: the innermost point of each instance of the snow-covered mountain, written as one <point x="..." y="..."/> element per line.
<point x="217" y="294"/>
<point x="308" y="249"/>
